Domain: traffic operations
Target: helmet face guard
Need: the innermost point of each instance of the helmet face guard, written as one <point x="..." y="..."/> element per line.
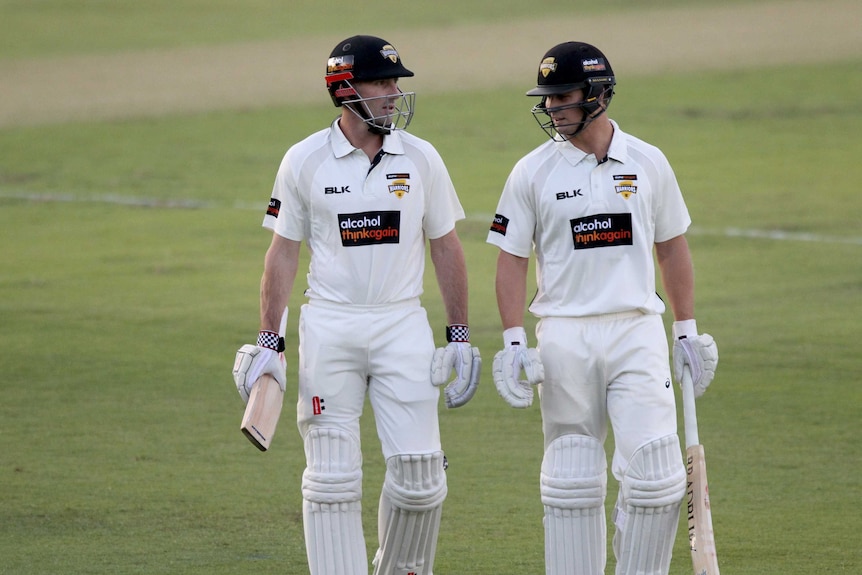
<point x="382" y="114"/>
<point x="366" y="59"/>
<point x="596" y="100"/>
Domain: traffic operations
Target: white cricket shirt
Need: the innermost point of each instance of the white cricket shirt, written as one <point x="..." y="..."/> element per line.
<point x="592" y="226"/>
<point x="365" y="226"/>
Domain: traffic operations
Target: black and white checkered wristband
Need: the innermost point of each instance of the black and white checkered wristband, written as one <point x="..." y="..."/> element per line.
<point x="271" y="340"/>
<point x="457" y="332"/>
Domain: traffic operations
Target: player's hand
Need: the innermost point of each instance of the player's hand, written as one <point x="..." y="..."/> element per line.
<point x="698" y="352"/>
<point x="510" y="362"/>
<point x="252" y="361"/>
<point x="458" y="356"/>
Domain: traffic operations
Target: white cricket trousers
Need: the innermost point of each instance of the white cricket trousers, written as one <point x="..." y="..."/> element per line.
<point x="613" y="366"/>
<point x="346" y="351"/>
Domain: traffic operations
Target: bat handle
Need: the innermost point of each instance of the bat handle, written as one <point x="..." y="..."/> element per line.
<point x="689" y="412"/>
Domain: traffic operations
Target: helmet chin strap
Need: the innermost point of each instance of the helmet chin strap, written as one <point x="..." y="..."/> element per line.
<point x="582" y="125"/>
<point x="590" y="115"/>
<point x="592" y="109"/>
<point x="363" y="114"/>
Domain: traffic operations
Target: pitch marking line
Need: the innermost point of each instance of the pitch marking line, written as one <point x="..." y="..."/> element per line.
<point x="776" y="235"/>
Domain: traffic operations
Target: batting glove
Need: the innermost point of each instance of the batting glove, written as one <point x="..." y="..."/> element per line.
<point x="698" y="352"/>
<point x="460" y="356"/>
<point x="252" y="361"/>
<point x="510" y="362"/>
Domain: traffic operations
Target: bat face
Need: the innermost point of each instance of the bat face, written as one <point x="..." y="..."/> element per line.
<point x="262" y="412"/>
<point x="700" y="535"/>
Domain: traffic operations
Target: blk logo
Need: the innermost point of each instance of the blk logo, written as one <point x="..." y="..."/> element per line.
<point x="572" y="194"/>
<point x="336" y="190"/>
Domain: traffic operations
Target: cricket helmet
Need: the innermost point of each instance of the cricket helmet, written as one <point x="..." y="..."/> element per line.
<point x="574" y="66"/>
<point x="363" y="59"/>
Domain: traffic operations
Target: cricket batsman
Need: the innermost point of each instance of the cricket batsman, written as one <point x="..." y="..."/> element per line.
<point x="594" y="205"/>
<point x="366" y="196"/>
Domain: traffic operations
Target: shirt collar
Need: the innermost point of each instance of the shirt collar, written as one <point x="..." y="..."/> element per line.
<point x="341" y="147"/>
<point x="618" y="150"/>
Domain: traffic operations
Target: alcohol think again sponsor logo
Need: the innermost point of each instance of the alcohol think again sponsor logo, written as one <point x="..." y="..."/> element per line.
<point x="500" y="224"/>
<point x="369" y="228"/>
<point x="602" y="230"/>
<point x="273" y="208"/>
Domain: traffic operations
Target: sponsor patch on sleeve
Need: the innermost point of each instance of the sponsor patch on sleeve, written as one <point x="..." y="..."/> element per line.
<point x="273" y="208"/>
<point x="602" y="230"/>
<point x="500" y="224"/>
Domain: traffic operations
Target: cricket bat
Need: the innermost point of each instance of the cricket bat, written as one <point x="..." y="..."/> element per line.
<point x="700" y="535"/>
<point x="262" y="411"/>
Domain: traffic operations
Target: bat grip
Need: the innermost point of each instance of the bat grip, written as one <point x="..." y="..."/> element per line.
<point x="689" y="412"/>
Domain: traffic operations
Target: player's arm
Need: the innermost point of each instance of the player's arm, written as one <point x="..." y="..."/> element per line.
<point x="459" y="356"/>
<point x="677" y="275"/>
<point x="266" y="357"/>
<point x="450" y="268"/>
<point x="279" y="272"/>
<point x="691" y="349"/>
<point x="511" y="287"/>
<point x="516" y="356"/>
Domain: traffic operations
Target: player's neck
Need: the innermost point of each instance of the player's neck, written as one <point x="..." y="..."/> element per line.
<point x="596" y="138"/>
<point x="360" y="137"/>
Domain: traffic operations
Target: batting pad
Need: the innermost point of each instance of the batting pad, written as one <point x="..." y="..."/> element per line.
<point x="332" y="508"/>
<point x="647" y="510"/>
<point x="573" y="488"/>
<point x="411" y="505"/>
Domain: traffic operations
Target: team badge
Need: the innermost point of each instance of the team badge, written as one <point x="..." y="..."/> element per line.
<point x="398" y="185"/>
<point x="547" y="66"/>
<point x="625" y="185"/>
<point x="388" y="51"/>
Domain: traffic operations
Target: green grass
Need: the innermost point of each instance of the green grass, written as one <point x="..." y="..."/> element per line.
<point x="62" y="27"/>
<point x="119" y="444"/>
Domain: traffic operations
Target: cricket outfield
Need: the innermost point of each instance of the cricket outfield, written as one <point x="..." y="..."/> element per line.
<point x="138" y="143"/>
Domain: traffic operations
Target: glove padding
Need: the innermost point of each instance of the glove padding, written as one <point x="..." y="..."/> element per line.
<point x="700" y="354"/>
<point x="467" y="364"/>
<point x="252" y="361"/>
<point x="507" y="368"/>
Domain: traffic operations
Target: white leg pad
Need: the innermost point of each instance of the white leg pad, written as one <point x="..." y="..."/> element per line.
<point x="647" y="510"/>
<point x="411" y="505"/>
<point x="573" y="488"/>
<point x="332" y="504"/>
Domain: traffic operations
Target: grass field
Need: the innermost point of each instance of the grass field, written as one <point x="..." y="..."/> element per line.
<point x="129" y="270"/>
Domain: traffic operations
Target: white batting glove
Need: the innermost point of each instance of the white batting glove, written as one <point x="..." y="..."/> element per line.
<point x="509" y="363"/>
<point x="460" y="356"/>
<point x="252" y="361"/>
<point x="698" y="352"/>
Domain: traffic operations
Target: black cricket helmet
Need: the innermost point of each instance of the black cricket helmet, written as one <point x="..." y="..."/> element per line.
<point x="363" y="59"/>
<point x="574" y="66"/>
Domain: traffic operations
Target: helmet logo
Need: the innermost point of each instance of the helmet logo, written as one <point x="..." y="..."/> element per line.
<point x="547" y="66"/>
<point x="345" y="91"/>
<point x="388" y="51"/>
<point x="594" y="65"/>
<point x="339" y="64"/>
